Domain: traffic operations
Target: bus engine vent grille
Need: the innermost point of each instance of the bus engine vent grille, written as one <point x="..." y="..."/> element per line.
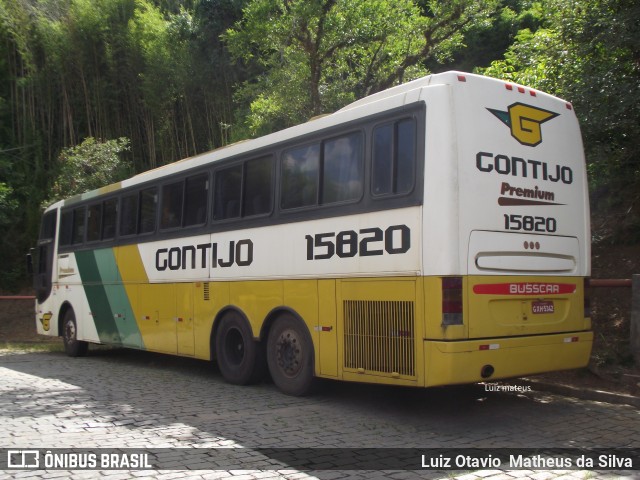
<point x="205" y="290"/>
<point x="379" y="337"/>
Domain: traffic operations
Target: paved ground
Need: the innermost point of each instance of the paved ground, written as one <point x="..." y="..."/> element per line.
<point x="125" y="399"/>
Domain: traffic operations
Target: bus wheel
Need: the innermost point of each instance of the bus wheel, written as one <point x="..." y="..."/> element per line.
<point x="290" y="356"/>
<point x="73" y="346"/>
<point x="240" y="357"/>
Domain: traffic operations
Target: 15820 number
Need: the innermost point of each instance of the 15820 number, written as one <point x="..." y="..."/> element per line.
<point x="366" y="242"/>
<point x="529" y="223"/>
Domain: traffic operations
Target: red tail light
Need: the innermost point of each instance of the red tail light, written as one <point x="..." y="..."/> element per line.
<point x="452" y="301"/>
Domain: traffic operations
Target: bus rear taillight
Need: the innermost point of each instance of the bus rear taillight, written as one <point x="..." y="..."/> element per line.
<point x="452" y="301"/>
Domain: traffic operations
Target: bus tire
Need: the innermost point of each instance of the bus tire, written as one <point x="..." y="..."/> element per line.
<point x="72" y="346"/>
<point x="290" y="356"/>
<point x="240" y="357"/>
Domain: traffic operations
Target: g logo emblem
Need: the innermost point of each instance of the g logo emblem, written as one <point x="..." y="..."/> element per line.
<point x="524" y="122"/>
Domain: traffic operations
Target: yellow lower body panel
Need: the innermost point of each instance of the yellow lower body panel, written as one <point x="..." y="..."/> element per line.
<point x="460" y="362"/>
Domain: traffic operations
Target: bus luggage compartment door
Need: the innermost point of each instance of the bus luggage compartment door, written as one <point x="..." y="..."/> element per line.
<point x="524" y="285"/>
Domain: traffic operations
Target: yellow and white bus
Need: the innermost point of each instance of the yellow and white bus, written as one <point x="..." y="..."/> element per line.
<point x="435" y="233"/>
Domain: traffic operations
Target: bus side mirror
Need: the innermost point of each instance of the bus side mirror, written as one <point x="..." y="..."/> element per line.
<point x="30" y="262"/>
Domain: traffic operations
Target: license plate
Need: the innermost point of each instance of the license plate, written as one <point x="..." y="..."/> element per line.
<point x="541" y="306"/>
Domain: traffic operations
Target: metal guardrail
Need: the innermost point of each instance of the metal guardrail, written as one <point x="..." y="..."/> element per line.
<point x="610" y="282"/>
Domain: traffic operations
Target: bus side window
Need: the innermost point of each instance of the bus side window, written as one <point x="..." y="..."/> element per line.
<point x="228" y="192"/>
<point x="394" y="158"/>
<point x="94" y="222"/>
<point x="195" y="200"/>
<point x="148" y="201"/>
<point x="129" y="214"/>
<point x="171" y="209"/>
<point x="258" y="181"/>
<point x="342" y="174"/>
<point x="300" y="168"/>
<point x="77" y="235"/>
<point x="109" y="216"/>
<point x="66" y="225"/>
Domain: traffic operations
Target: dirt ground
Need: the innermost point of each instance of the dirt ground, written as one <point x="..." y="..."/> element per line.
<point x="611" y="367"/>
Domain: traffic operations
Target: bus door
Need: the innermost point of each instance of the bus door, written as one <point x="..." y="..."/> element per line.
<point x="43" y="271"/>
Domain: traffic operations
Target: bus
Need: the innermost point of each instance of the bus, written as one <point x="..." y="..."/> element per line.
<point x="434" y="233"/>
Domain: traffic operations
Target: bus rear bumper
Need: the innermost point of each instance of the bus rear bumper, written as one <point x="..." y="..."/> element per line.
<point x="467" y="361"/>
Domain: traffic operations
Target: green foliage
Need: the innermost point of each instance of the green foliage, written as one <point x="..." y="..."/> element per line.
<point x="318" y="55"/>
<point x="8" y="204"/>
<point x="90" y="165"/>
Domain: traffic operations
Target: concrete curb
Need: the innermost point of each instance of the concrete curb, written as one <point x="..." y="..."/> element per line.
<point x="583" y="394"/>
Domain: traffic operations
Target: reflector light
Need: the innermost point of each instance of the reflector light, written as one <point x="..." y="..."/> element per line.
<point x="532" y="93"/>
<point x="490" y="346"/>
<point x="571" y="339"/>
<point x="322" y="329"/>
<point x="569" y="106"/>
<point x="462" y="78"/>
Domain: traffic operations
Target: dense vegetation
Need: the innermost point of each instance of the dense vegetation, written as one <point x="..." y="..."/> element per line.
<point x="91" y="90"/>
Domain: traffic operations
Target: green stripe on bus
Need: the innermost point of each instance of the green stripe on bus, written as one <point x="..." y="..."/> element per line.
<point x="97" y="297"/>
<point x="118" y="299"/>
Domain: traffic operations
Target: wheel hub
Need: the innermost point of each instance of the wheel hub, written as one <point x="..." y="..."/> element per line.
<point x="289" y="354"/>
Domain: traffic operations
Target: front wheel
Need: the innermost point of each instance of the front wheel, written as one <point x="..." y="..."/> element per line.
<point x="290" y="356"/>
<point x="73" y="346"/>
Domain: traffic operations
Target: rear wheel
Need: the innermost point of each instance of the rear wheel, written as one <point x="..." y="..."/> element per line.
<point x="239" y="356"/>
<point x="290" y="356"/>
<point x="73" y="346"/>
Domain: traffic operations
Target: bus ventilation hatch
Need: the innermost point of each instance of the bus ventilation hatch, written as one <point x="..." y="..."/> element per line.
<point x="205" y="291"/>
<point x="379" y="337"/>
